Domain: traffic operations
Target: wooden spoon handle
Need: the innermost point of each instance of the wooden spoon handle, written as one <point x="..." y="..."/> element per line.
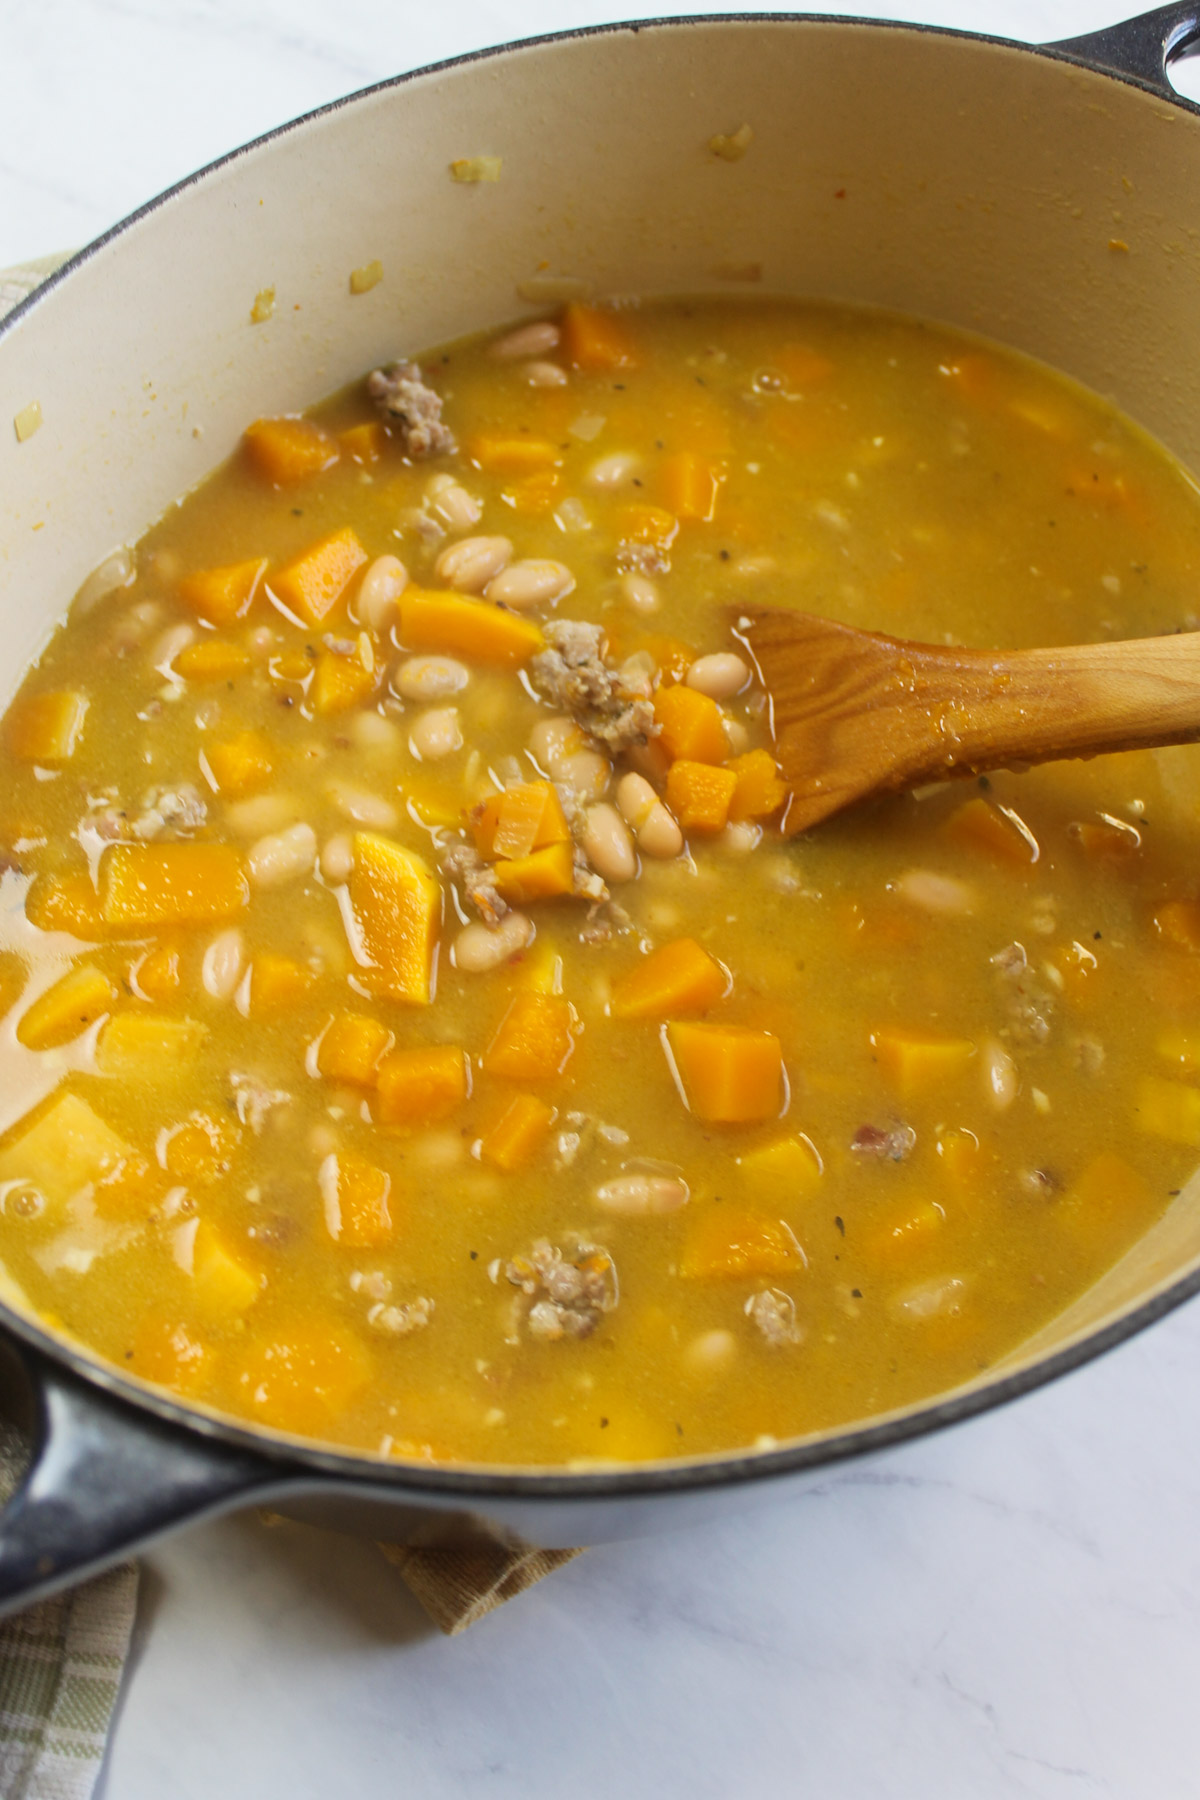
<point x="858" y="713"/>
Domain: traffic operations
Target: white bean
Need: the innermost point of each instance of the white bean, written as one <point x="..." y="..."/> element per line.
<point x="736" y="736"/>
<point x="116" y="571"/>
<point x="636" y="799"/>
<point x="534" y="581"/>
<point x="607" y="844"/>
<point x="931" y="1299"/>
<point x="435" y="733"/>
<point x="337" y="857"/>
<point x="709" y="1351"/>
<point x="166" y="648"/>
<point x="282" y="856"/>
<point x="371" y="731"/>
<point x="545" y="375"/>
<point x="534" y="339"/>
<point x="471" y="563"/>
<point x="643" y="1194"/>
<point x="656" y="831"/>
<point x="552" y="739"/>
<point x="431" y="677"/>
<point x="584" y="771"/>
<point x="719" y="675"/>
<point x="221" y="969"/>
<point x="613" y="470"/>
<point x="1000" y="1079"/>
<point x="363" y="806"/>
<point x="479" y="947"/>
<point x="452" y="503"/>
<point x="382" y="586"/>
<point x="261" y="812"/>
<point x="640" y="592"/>
<point x="935" y="893"/>
<point x="740" y="837"/>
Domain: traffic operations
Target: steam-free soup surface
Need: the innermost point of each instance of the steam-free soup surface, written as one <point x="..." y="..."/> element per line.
<point x="419" y="1033"/>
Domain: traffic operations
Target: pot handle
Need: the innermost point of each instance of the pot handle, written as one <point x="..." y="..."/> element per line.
<point x="1139" y="48"/>
<point x="105" y="1477"/>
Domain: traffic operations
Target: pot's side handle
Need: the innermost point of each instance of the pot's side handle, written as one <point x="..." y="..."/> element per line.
<point x="104" y="1478"/>
<point x="1139" y="48"/>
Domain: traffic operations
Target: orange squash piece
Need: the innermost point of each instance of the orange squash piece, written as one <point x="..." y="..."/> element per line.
<point x="222" y="596"/>
<point x="1106" y="843"/>
<point x="641" y="523"/>
<point x="595" y="338"/>
<point x="212" y="659"/>
<point x="539" y="876"/>
<point x="918" y="1062"/>
<point x="903" y="1234"/>
<point x="157" y="974"/>
<point x="1177" y="923"/>
<point x="396" y="906"/>
<point x="731" y="1074"/>
<point x="313" y="583"/>
<point x="355" y="1194"/>
<point x="729" y="1243"/>
<point x="170" y="884"/>
<point x="979" y="826"/>
<point x="170" y="1354"/>
<point x="699" y="794"/>
<point x="472" y="628"/>
<point x="960" y="1156"/>
<point x="238" y="764"/>
<point x="526" y="816"/>
<point x="680" y="978"/>
<point x="288" y="450"/>
<point x="129" y="1190"/>
<point x="364" y="443"/>
<point x="534" y="493"/>
<point x="200" y="1150"/>
<point x="691" y="726"/>
<point x="759" y="791"/>
<point x="46" y="728"/>
<point x="303" y="1376"/>
<point x="518" y="1133"/>
<point x="277" y="982"/>
<point x="352" y="1048"/>
<point x="535" y="1040"/>
<point x="342" y="681"/>
<point x="690" y="485"/>
<point x="421" y="1085"/>
<point x="66" y="903"/>
<point x="515" y="455"/>
<point x="224" y="1285"/>
<point x="66" y="1009"/>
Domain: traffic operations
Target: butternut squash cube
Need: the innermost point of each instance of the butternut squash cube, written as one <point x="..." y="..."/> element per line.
<point x="526" y="816"/>
<point x="727" y="1243"/>
<point x="156" y="976"/>
<point x="46" y="728"/>
<point x="149" y="1047"/>
<point x="960" y="1155"/>
<point x="288" y="450"/>
<point x="535" y="1040"/>
<point x="364" y="443"/>
<point x="539" y="876"/>
<point x="222" y="596"/>
<point x="67" y="1146"/>
<point x="517" y="1134"/>
<point x="169" y="1354"/>
<point x="691" y="726"/>
<point x="1114" y="844"/>
<point x="129" y="1190"/>
<point x="170" y="884"/>
<point x="312" y="584"/>
<point x="200" y="1151"/>
<point x="351" y="1049"/>
<point x="690" y="485"/>
<point x="302" y="1378"/>
<point x="787" y="1169"/>
<point x="981" y="827"/>
<point x="680" y="978"/>
<point x="897" y="1237"/>
<point x="1178" y="924"/>
<point x="66" y="1009"/>
<point x="534" y="493"/>
<point x="918" y="1062"/>
<point x="595" y="338"/>
<point x="1168" y="1109"/>
<point x="342" y="681"/>
<point x="759" y="791"/>
<point x="238" y="765"/>
<point x="641" y="523"/>
<point x="355" y="1197"/>
<point x="699" y="795"/>
<point x="512" y="455"/>
<point x="472" y="628"/>
<point x="224" y="1286"/>
<point x="212" y="659"/>
<point x="66" y="903"/>
<point x="421" y="1085"/>
<point x="396" y="904"/>
<point x="277" y="982"/>
<point x="730" y="1074"/>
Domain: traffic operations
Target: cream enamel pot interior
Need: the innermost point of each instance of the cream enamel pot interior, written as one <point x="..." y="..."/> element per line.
<point x="953" y="176"/>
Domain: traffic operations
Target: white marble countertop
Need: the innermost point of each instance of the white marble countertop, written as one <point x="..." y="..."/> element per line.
<point x="1012" y="1609"/>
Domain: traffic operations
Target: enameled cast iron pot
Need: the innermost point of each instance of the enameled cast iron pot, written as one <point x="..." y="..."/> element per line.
<point x="1047" y="197"/>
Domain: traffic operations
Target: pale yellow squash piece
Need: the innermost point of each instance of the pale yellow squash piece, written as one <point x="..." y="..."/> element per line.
<point x="1168" y="1109"/>
<point x="149" y="1047"/>
<point x="396" y="906"/>
<point x="918" y="1062"/>
<point x="67" y="1146"/>
<point x="223" y="1285"/>
<point x="66" y="1009"/>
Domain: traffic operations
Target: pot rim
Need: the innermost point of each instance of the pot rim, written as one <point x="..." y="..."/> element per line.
<point x="297" y="1456"/>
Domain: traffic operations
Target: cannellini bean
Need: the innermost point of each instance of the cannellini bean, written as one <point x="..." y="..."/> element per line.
<point x="479" y="947"/>
<point x="656" y="831"/>
<point x="545" y="375"/>
<point x="361" y="805"/>
<point x="166" y="648"/>
<point x="736" y="736"/>
<point x="719" y="676"/>
<point x="116" y="571"/>
<point x="928" y="1299"/>
<point x="471" y="563"/>
<point x="613" y="470"/>
<point x="382" y="586"/>
<point x="435" y="733"/>
<point x="584" y="771"/>
<point x="371" y="731"/>
<point x="711" y="1350"/>
<point x="643" y="1194"/>
<point x="534" y="339"/>
<point x="534" y="581"/>
<point x="337" y="857"/>
<point x="640" y="592"/>
<point x="452" y="503"/>
<point x="552" y="739"/>
<point x="638" y="674"/>
<point x="649" y="759"/>
<point x="636" y="799"/>
<point x="282" y="856"/>
<point x="936" y="893"/>
<point x="221" y="968"/>
<point x="740" y="838"/>
<point x="261" y="812"/>
<point x="1000" y="1079"/>
<point x="431" y="677"/>
<point x="607" y="844"/>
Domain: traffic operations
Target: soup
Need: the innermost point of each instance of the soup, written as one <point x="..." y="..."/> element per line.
<point x="419" y="1032"/>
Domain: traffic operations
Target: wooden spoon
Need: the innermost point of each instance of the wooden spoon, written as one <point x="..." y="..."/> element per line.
<point x="856" y="713"/>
